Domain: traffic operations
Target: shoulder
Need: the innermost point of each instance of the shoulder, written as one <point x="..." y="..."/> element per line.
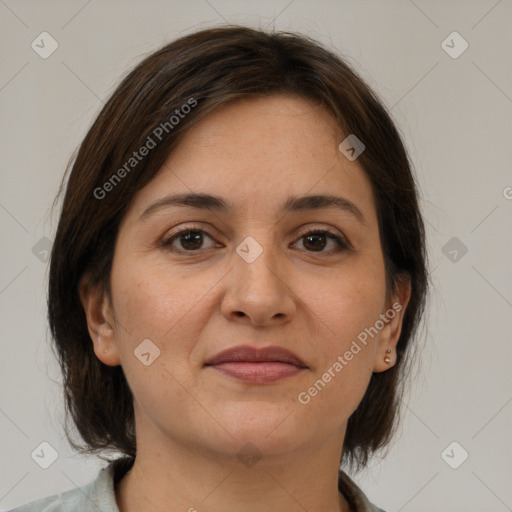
<point x="98" y="494"/>
<point x="354" y="495"/>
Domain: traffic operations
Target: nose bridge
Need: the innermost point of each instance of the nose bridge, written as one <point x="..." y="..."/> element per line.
<point x="256" y="258"/>
<point x="256" y="287"/>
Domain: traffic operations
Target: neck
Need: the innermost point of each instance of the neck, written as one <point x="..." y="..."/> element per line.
<point x="181" y="478"/>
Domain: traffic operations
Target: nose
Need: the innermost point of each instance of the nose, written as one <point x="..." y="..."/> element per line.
<point x="258" y="292"/>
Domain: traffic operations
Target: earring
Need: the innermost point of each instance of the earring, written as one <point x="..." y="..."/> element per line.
<point x="387" y="359"/>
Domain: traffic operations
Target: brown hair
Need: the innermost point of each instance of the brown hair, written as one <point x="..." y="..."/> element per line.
<point x="211" y="68"/>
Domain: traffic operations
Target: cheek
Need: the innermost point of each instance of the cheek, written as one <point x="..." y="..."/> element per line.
<point x="347" y="305"/>
<point x="143" y="305"/>
<point x="349" y="301"/>
<point x="150" y="305"/>
<point x="343" y="354"/>
<point x="153" y="302"/>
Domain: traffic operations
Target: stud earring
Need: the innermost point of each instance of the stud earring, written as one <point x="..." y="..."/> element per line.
<point x="387" y="359"/>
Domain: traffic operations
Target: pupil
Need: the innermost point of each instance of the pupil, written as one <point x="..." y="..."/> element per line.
<point x="315" y="245"/>
<point x="189" y="237"/>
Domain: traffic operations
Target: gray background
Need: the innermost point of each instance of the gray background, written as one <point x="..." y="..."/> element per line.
<point x="455" y="115"/>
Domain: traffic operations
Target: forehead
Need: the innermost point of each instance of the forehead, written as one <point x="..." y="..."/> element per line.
<point x="266" y="128"/>
<point x="262" y="151"/>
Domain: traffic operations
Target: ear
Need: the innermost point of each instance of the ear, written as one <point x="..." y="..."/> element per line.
<point x="392" y="318"/>
<point x="100" y="321"/>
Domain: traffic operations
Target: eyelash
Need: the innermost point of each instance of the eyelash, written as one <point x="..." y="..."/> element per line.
<point x="342" y="243"/>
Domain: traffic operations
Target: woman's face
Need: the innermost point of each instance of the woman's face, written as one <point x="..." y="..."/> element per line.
<point x="249" y="274"/>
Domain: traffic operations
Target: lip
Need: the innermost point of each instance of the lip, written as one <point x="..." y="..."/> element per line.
<point x="257" y="365"/>
<point x="248" y="354"/>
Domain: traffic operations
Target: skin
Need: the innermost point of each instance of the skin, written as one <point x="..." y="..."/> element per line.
<point x="191" y="421"/>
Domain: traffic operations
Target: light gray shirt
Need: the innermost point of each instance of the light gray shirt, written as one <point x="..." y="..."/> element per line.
<point x="99" y="495"/>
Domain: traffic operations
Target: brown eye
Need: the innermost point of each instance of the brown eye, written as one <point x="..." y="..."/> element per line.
<point x="190" y="240"/>
<point x="317" y="240"/>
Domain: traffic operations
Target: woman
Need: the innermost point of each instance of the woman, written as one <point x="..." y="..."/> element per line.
<point x="236" y="281"/>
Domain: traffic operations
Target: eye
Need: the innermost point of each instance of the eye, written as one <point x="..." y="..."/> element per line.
<point x="191" y="239"/>
<point x="317" y="239"/>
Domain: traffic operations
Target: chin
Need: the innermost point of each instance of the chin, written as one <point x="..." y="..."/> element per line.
<point x="270" y="427"/>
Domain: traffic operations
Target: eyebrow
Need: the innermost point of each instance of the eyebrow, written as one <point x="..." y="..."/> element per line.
<point x="292" y="204"/>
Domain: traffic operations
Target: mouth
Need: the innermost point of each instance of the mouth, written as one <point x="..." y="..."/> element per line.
<point x="257" y="365"/>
